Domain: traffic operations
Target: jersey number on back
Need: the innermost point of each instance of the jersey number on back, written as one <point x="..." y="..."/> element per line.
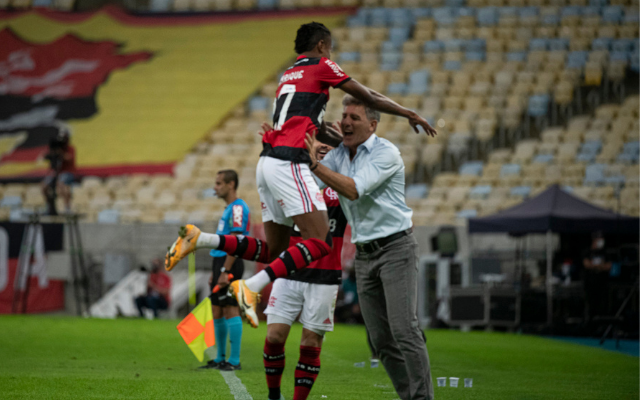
<point x="288" y="91"/>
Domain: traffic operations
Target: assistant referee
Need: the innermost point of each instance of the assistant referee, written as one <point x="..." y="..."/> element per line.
<point x="368" y="174"/>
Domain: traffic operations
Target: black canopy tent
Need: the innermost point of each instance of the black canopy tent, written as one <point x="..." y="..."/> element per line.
<point x="554" y="211"/>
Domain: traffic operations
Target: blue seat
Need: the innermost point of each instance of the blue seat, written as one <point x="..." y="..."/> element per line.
<point x="109" y="216"/>
<point x="630" y="17"/>
<point x="615" y="180"/>
<point x="520" y="56"/>
<point x="452" y="66"/>
<point x="352" y="56"/>
<point x="543" y="159"/>
<point x="417" y="191"/>
<point x="455" y="3"/>
<point x="474" y="56"/>
<point x="631" y="147"/>
<point x="586" y="157"/>
<point x="480" y="191"/>
<point x="397" y="88"/>
<point x="538" y="105"/>
<point x="446" y="15"/>
<point x="594" y="174"/>
<point x="508" y="11"/>
<point x="619" y="56"/>
<point x="590" y="11"/>
<point x="475" y="45"/>
<point x="399" y="35"/>
<point x="527" y="12"/>
<point x="11" y="201"/>
<point x="510" y="169"/>
<point x="401" y="17"/>
<point x="389" y="46"/>
<point x="627" y="158"/>
<point x="550" y="19"/>
<point x="521" y="191"/>
<point x="453" y="45"/>
<point x="570" y="11"/>
<point x="433" y="46"/>
<point x="487" y="16"/>
<point x="419" y="82"/>
<point x="622" y="45"/>
<point x="258" y="103"/>
<point x="612" y="14"/>
<point x="558" y="44"/>
<point x="538" y="44"/>
<point x="466" y="12"/>
<point x="591" y="147"/>
<point x="209" y="193"/>
<point x="577" y="59"/>
<point x="421" y="12"/>
<point x="598" y="3"/>
<point x="378" y="17"/>
<point x="154" y="6"/>
<point x="467" y="213"/>
<point x="471" y="168"/>
<point x="601" y="44"/>
<point x="353" y="22"/>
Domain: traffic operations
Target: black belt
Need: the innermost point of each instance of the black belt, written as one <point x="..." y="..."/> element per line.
<point x="379" y="243"/>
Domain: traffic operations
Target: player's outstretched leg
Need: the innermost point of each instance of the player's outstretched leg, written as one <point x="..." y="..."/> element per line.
<point x="191" y="238"/>
<point x="291" y="260"/>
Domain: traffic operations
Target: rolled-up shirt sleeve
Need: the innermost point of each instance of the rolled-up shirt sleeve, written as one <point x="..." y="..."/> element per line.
<point x="384" y="162"/>
<point x="329" y="162"/>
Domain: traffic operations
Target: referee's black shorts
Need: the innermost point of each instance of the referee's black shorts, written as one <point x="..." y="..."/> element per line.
<point x="221" y="298"/>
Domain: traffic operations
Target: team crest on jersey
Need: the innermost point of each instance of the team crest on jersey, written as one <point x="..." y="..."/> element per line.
<point x="332" y="194"/>
<point x="237" y="216"/>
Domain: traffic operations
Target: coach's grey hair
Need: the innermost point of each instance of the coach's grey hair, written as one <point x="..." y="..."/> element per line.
<point x="372" y="115"/>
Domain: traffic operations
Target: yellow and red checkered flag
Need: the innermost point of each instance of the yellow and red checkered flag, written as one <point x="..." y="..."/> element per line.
<point x="197" y="329"/>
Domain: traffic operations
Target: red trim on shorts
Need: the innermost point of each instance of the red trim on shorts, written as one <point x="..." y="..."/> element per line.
<point x="307" y="189"/>
<point x="304" y="206"/>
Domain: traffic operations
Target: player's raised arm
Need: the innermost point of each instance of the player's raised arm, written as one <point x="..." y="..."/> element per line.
<point x="384" y="104"/>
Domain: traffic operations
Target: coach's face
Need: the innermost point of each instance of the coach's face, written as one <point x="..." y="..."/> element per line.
<point x="356" y="127"/>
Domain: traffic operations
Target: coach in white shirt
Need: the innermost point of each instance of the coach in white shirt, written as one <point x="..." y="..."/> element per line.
<point x="368" y="174"/>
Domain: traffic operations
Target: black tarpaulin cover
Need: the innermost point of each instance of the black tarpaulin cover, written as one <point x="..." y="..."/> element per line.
<point x="557" y="211"/>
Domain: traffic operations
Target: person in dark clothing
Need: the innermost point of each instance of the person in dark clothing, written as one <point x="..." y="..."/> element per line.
<point x="597" y="265"/>
<point x="158" y="290"/>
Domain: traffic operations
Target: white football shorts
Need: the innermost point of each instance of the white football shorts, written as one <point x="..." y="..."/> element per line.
<point x="286" y="189"/>
<point x="317" y="303"/>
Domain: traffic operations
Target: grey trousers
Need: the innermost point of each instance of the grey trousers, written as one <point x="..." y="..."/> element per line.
<point x="387" y="281"/>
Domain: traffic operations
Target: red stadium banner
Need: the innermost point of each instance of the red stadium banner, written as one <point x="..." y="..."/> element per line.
<point x="44" y="85"/>
<point x="44" y="294"/>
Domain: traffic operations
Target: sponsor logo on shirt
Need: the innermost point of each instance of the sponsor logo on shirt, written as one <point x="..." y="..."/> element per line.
<point x="237" y="216"/>
<point x="334" y="67"/>
<point x="291" y="76"/>
<point x="272" y="301"/>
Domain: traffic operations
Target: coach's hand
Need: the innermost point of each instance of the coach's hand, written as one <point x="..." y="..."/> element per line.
<point x="312" y="144"/>
<point x="415" y="120"/>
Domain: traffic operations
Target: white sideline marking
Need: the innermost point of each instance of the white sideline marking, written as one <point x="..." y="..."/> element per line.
<point x="238" y="390"/>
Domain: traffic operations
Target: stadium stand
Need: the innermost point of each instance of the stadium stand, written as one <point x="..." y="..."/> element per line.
<point x="524" y="94"/>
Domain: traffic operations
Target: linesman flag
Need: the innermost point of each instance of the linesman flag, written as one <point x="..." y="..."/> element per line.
<point x="197" y="329"/>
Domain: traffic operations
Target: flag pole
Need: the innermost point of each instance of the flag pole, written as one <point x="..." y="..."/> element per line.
<point x="192" y="280"/>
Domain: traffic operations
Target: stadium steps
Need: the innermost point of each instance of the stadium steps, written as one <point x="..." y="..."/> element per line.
<point x="119" y="301"/>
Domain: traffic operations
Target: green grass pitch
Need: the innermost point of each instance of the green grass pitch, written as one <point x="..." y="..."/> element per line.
<point x="72" y="358"/>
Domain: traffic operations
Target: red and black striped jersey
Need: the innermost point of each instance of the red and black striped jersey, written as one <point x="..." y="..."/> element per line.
<point x="299" y="107"/>
<point x="328" y="269"/>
